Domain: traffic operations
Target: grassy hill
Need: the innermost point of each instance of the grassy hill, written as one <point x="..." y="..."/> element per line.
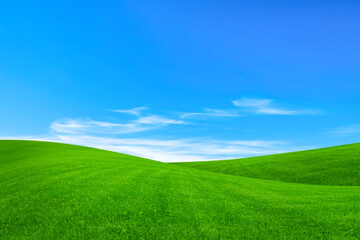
<point x="59" y="191"/>
<point x="329" y="166"/>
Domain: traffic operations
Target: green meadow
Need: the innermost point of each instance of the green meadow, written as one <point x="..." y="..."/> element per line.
<point x="338" y="165"/>
<point x="61" y="191"/>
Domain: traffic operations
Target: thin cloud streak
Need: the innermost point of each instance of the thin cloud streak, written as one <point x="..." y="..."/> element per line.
<point x="158" y="120"/>
<point x="266" y="106"/>
<point x="346" y="130"/>
<point x="76" y="126"/>
<point x="208" y="112"/>
<point x="134" y="111"/>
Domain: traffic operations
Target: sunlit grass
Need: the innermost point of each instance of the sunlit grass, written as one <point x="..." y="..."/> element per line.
<point x="329" y="166"/>
<point x="51" y="190"/>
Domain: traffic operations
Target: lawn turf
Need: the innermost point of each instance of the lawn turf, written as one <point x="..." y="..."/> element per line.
<point x="59" y="191"/>
<point x="338" y="165"/>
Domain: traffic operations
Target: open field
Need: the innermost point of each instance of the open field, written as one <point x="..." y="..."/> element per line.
<point x="338" y="165"/>
<point x="60" y="191"/>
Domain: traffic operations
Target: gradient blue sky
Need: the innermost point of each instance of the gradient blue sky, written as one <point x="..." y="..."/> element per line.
<point x="192" y="80"/>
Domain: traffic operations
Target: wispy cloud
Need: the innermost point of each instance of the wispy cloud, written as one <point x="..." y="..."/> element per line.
<point x="256" y="143"/>
<point x="134" y="111"/>
<point x="346" y="130"/>
<point x="76" y="126"/>
<point x="208" y="112"/>
<point x="158" y="120"/>
<point x="68" y="126"/>
<point x="179" y="150"/>
<point x="87" y="125"/>
<point x="266" y="106"/>
<point x="112" y="135"/>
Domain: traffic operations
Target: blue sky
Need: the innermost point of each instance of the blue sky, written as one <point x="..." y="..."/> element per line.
<point x="181" y="80"/>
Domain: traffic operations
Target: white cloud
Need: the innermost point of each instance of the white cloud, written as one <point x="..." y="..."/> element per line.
<point x="254" y="105"/>
<point x="76" y="126"/>
<point x="266" y="106"/>
<point x="346" y="130"/>
<point x="68" y="126"/>
<point x="179" y="150"/>
<point x="208" y="112"/>
<point x="134" y="111"/>
<point x="105" y="135"/>
<point x="87" y="125"/>
<point x="254" y="143"/>
<point x="158" y="120"/>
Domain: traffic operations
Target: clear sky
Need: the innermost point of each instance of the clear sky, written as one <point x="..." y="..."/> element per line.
<point x="181" y="80"/>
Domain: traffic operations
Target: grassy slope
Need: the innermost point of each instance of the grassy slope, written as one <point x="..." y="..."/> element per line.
<point x="329" y="166"/>
<point x="50" y="190"/>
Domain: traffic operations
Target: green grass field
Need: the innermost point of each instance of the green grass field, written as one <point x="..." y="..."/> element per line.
<point x="328" y="166"/>
<point x="59" y="191"/>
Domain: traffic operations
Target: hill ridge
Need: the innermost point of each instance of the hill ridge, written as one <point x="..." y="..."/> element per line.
<point x="338" y="165"/>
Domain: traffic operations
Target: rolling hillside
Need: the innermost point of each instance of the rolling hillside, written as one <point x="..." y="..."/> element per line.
<point x="59" y="191"/>
<point x="338" y="165"/>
